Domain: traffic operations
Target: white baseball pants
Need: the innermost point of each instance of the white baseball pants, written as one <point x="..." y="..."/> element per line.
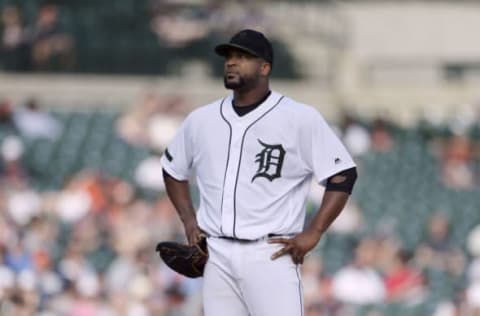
<point x="240" y="279"/>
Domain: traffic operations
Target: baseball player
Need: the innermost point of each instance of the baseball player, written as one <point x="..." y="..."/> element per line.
<point x="253" y="155"/>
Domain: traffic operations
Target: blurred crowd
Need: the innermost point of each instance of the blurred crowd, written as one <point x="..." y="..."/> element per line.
<point x="50" y="36"/>
<point x="38" y="44"/>
<point x="457" y="150"/>
<point x="87" y="247"/>
<point x="177" y="23"/>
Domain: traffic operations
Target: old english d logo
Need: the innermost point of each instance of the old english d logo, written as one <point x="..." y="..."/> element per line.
<point x="270" y="161"/>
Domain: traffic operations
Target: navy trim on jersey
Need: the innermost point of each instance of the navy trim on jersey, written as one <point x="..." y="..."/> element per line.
<point x="168" y="155"/>
<point x="300" y="291"/>
<point x="240" y="161"/>
<point x="228" y="160"/>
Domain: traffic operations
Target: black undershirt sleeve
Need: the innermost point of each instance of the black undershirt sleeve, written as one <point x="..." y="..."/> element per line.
<point x="342" y="181"/>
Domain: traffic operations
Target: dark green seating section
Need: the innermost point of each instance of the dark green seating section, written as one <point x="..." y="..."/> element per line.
<point x="87" y="142"/>
<point x="115" y="37"/>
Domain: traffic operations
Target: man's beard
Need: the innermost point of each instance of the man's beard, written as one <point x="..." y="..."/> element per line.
<point x="237" y="85"/>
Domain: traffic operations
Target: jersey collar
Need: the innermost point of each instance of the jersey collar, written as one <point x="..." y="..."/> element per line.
<point x="232" y="117"/>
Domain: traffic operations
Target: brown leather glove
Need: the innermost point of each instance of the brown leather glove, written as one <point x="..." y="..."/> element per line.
<point x="184" y="259"/>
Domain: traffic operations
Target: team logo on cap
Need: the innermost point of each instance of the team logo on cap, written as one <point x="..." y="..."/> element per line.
<point x="270" y="161"/>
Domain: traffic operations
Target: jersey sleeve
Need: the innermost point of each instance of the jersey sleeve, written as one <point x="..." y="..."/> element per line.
<point x="324" y="153"/>
<point x="177" y="157"/>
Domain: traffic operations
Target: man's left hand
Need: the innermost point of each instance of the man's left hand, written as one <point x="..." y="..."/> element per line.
<point x="297" y="246"/>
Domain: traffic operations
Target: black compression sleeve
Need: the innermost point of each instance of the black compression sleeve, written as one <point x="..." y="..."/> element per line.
<point x="342" y="181"/>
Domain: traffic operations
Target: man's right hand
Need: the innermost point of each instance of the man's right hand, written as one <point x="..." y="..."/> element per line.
<point x="193" y="232"/>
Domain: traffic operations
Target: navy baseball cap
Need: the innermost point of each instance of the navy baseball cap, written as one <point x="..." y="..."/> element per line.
<point x="253" y="42"/>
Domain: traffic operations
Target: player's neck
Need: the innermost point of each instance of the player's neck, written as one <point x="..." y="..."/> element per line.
<point x="246" y="98"/>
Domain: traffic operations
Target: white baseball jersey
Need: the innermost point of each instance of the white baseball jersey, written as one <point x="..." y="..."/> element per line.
<point x="254" y="171"/>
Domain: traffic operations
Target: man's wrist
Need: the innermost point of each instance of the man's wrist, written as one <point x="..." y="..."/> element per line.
<point x="314" y="231"/>
<point x="190" y="222"/>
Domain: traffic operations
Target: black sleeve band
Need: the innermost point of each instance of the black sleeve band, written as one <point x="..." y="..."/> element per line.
<point x="342" y="181"/>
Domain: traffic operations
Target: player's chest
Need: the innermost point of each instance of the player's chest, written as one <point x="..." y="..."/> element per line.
<point x="263" y="145"/>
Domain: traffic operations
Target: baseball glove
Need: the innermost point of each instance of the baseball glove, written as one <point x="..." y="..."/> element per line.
<point x="184" y="259"/>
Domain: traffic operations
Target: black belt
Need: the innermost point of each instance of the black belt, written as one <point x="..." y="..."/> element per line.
<point x="246" y="241"/>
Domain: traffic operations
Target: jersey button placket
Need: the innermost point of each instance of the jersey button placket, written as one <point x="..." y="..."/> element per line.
<point x="228" y="212"/>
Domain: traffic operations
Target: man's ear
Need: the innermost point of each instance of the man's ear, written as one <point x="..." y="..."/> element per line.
<point x="266" y="69"/>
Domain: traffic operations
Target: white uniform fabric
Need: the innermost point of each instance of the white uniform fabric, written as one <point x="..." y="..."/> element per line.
<point x="253" y="173"/>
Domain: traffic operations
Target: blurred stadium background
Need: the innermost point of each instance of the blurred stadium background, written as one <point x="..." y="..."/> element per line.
<point x="91" y="91"/>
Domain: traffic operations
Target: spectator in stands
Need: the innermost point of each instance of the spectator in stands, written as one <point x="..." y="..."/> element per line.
<point x="131" y="126"/>
<point x="177" y="24"/>
<point x="86" y="300"/>
<point x="164" y="122"/>
<point x="350" y="221"/>
<point x="84" y="192"/>
<point x="317" y="287"/>
<point x="17" y="257"/>
<point x="438" y="251"/>
<point x="145" y="174"/>
<point x="152" y="121"/>
<point x="473" y="287"/>
<point x="449" y="308"/>
<point x="120" y="195"/>
<point x="13" y="48"/>
<point x="49" y="282"/>
<point x="23" y="204"/>
<point x="311" y="273"/>
<point x="34" y="123"/>
<point x="226" y="17"/>
<point x="160" y="128"/>
<point x="355" y="136"/>
<point x="403" y="282"/>
<point x="50" y="45"/>
<point x="20" y="301"/>
<point x="457" y="169"/>
<point x="382" y="140"/>
<point x="254" y="16"/>
<point x="7" y="276"/>
<point x="359" y="283"/>
<point x="12" y="171"/>
<point x="6" y="117"/>
<point x="12" y="28"/>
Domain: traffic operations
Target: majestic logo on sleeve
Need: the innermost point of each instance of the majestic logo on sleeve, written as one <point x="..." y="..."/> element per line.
<point x="270" y="161"/>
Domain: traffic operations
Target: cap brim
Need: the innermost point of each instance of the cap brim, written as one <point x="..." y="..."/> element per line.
<point x="223" y="49"/>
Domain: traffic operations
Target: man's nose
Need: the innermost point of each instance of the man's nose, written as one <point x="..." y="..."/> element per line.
<point x="230" y="61"/>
